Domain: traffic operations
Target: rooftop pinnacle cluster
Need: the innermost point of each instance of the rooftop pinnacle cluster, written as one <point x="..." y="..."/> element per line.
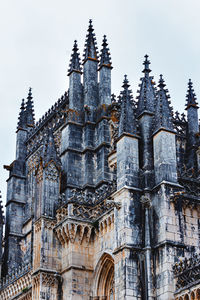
<point x="103" y="196"/>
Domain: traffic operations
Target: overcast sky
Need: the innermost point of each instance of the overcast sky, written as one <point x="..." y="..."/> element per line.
<point x="37" y="37"/>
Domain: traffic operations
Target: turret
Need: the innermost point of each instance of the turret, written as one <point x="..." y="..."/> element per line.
<point x="16" y="189"/>
<point x="127" y="144"/>
<point x="90" y="64"/>
<point x="105" y="67"/>
<point x="145" y="111"/>
<point x="75" y="86"/>
<point x="164" y="143"/>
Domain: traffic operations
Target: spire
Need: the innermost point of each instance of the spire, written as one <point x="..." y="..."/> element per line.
<point x="127" y="123"/>
<point x="163" y="111"/>
<point x="105" y="59"/>
<point x="90" y="51"/>
<point x="29" y="109"/>
<point x="50" y="152"/>
<point x="22" y="116"/>
<point x="75" y="60"/>
<point x="146" y="98"/>
<point x="191" y="97"/>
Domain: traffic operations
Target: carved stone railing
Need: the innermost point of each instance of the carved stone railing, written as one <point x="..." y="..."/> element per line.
<point x="187" y="272"/>
<point x="49" y="114"/>
<point x="100" y="194"/>
<point x="19" y="285"/>
<point x="86" y="205"/>
<point x="15" y="274"/>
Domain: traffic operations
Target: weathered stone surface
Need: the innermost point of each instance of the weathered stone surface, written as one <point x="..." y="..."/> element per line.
<point x="103" y="195"/>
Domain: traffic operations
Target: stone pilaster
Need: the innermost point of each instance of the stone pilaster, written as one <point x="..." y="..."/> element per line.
<point x="127" y="161"/>
<point x="165" y="165"/>
<point x="90" y="83"/>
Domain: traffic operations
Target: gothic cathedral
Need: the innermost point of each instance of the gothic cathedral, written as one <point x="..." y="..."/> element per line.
<point x="103" y="197"/>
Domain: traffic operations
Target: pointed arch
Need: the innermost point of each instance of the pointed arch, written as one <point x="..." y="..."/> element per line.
<point x="104" y="278"/>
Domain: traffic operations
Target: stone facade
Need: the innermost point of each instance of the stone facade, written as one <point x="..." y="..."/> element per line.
<point x="103" y="195"/>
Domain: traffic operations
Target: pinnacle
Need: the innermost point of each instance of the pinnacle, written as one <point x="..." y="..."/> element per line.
<point x="22" y="105"/>
<point x="22" y="116"/>
<point x="163" y="111"/>
<point x="75" y="60"/>
<point x="147" y="92"/>
<point x="30" y="94"/>
<point x="125" y="82"/>
<point x="105" y="54"/>
<point x="146" y="64"/>
<point x="191" y="97"/>
<point x="90" y="51"/>
<point x="127" y="122"/>
<point x="161" y="84"/>
<point x="29" y="109"/>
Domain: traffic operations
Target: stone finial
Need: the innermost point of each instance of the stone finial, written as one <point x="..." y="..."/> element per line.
<point x="146" y="64"/>
<point x="127" y="122"/>
<point x="163" y="111"/>
<point x="191" y="97"/>
<point x="105" y="59"/>
<point x="22" y="116"/>
<point x="30" y="110"/>
<point x="74" y="64"/>
<point x="147" y="92"/>
<point x="90" y="51"/>
<point x="113" y="98"/>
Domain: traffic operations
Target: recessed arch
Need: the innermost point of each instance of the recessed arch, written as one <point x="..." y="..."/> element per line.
<point x="104" y="278"/>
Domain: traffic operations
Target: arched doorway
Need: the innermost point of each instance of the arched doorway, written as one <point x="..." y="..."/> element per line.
<point x="104" y="279"/>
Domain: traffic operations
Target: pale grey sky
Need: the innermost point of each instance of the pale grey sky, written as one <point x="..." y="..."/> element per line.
<point x="37" y="37"/>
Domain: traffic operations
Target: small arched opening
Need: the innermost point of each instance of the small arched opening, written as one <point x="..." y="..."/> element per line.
<point x="104" y="278"/>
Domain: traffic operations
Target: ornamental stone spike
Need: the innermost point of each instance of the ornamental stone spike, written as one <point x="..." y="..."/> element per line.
<point x="127" y="122"/>
<point x="30" y="110"/>
<point x="193" y="125"/>
<point x="105" y="59"/>
<point x="74" y="64"/>
<point x="146" y="64"/>
<point x="22" y="116"/>
<point x="147" y="93"/>
<point x="105" y="74"/>
<point x="90" y="51"/>
<point x="191" y="96"/>
<point x="90" y="74"/>
<point x="163" y="113"/>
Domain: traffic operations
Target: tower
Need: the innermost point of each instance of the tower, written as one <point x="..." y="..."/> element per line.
<point x="16" y="189"/>
<point x="145" y="113"/>
<point x="103" y="194"/>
